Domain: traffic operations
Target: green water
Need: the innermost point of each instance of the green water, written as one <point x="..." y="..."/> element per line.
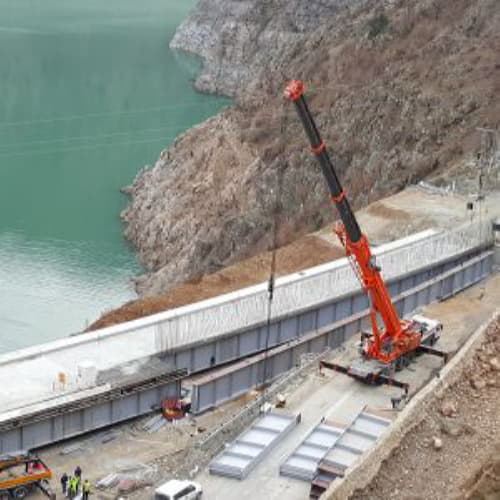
<point x="89" y="93"/>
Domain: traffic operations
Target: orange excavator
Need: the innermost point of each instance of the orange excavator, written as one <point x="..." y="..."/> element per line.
<point x="392" y="341"/>
<point x="21" y="473"/>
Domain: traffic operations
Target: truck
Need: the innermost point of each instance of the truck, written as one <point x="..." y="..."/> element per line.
<point x="21" y="473"/>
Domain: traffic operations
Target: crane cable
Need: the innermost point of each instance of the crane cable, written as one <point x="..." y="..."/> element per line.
<point x="272" y="268"/>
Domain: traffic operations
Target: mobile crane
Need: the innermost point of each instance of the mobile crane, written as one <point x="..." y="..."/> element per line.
<point x="20" y="473"/>
<point x="390" y="346"/>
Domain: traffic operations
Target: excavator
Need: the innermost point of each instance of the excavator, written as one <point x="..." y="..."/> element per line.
<point x="392" y="342"/>
<point x="21" y="473"/>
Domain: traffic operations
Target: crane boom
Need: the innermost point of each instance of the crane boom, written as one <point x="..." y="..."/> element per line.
<point x="397" y="337"/>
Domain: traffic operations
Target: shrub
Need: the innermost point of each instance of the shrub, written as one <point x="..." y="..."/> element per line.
<point x="378" y="25"/>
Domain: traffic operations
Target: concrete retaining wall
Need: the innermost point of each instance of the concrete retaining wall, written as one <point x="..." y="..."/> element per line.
<point x="35" y="369"/>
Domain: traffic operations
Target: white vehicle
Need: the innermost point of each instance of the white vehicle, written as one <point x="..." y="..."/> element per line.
<point x="178" y="490"/>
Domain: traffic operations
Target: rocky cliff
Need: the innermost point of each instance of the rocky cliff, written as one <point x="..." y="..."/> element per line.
<point x="244" y="42"/>
<point x="398" y="92"/>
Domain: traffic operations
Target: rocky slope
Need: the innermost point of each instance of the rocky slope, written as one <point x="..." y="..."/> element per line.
<point x="242" y="41"/>
<point x="397" y="92"/>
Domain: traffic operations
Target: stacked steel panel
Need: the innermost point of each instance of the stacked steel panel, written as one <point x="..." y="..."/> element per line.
<point x="243" y="455"/>
<point x="359" y="437"/>
<point x="304" y="460"/>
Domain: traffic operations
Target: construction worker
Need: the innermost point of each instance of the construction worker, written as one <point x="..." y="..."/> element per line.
<point x="78" y="472"/>
<point x="73" y="487"/>
<point x="78" y="481"/>
<point x="64" y="482"/>
<point x="86" y="489"/>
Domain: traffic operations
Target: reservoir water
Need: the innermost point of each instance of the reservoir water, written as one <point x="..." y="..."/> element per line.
<point x="89" y="93"/>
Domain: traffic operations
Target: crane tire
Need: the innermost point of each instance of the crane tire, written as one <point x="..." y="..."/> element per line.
<point x="20" y="492"/>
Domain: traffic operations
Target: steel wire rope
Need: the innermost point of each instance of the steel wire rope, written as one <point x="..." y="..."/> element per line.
<point x="104" y="114"/>
<point x="271" y="281"/>
<point x="274" y="242"/>
<point x="90" y="137"/>
<point x="274" y="239"/>
<point x="83" y="148"/>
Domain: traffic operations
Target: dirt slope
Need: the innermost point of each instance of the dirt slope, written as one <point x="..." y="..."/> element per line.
<point x="306" y="252"/>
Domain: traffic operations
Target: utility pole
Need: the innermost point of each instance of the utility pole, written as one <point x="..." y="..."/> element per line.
<point x="489" y="157"/>
<point x="488" y="161"/>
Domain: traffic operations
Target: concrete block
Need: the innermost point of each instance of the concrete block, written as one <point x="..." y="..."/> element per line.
<point x="86" y="374"/>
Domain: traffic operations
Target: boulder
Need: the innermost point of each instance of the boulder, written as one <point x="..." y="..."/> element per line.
<point x="495" y="364"/>
<point x="448" y="408"/>
<point x="478" y="383"/>
<point x="437" y="443"/>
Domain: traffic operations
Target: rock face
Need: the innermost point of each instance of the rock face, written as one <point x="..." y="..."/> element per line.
<point x="244" y="42"/>
<point x="204" y="206"/>
<point x="397" y="94"/>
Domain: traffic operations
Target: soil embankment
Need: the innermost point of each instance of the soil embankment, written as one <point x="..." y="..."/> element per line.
<point x="306" y="252"/>
<point x="397" y="92"/>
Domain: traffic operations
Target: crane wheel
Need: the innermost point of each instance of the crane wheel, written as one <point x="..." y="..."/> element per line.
<point x="20" y="492"/>
<point x="399" y="364"/>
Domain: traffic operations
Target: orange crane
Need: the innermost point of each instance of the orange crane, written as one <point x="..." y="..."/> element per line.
<point x="20" y="473"/>
<point x="392" y="344"/>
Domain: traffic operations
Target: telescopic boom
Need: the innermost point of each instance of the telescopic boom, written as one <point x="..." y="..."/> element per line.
<point x="397" y="337"/>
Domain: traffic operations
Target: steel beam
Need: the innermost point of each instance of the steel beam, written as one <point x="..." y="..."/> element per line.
<point x="68" y="419"/>
<point x="250" y="341"/>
